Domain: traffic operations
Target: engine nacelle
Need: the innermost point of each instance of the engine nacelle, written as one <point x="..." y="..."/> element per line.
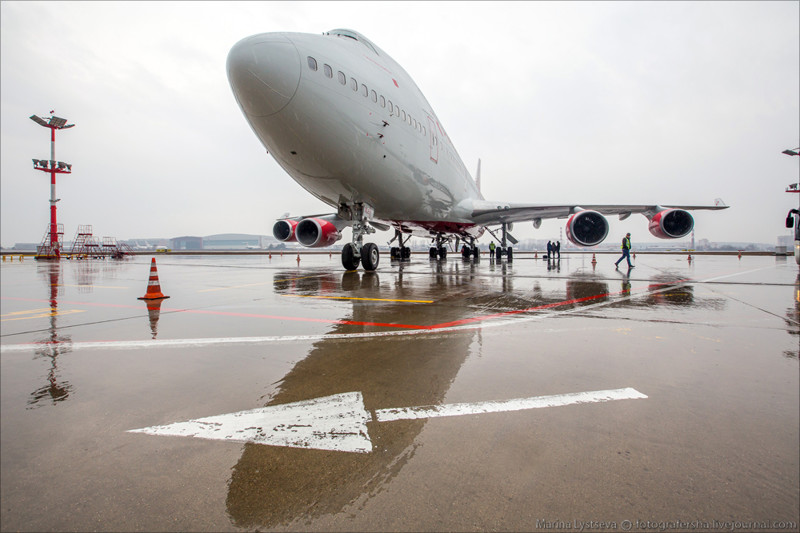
<point x="671" y="224"/>
<point x="587" y="228"/>
<point x="317" y="232"/>
<point x="284" y="230"/>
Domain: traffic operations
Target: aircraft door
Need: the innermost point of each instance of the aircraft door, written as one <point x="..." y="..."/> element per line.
<point x="434" y="140"/>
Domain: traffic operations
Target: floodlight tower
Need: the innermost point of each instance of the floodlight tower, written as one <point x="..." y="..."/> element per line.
<point x="53" y="167"/>
<point x="794" y="221"/>
<point x="793" y="187"/>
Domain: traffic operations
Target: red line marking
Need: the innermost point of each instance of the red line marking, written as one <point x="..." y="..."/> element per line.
<point x="550" y="305"/>
<point x="432" y="327"/>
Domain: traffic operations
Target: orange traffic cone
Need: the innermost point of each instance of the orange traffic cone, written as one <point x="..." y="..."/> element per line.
<point x="153" y="286"/>
<point x="594" y="260"/>
<point x="689" y="258"/>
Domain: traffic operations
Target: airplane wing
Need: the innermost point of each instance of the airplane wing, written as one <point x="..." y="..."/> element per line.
<point x="488" y="213"/>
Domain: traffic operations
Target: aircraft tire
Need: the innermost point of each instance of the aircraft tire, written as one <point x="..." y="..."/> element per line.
<point x="510" y="254"/>
<point x="349" y="259"/>
<point x="370" y="256"/>
<point x="405" y="252"/>
<point x="498" y="253"/>
<point x="442" y="252"/>
<point x="432" y="253"/>
<point x="476" y="252"/>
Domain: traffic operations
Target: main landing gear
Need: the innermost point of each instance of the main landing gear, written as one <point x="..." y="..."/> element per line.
<point x="402" y="252"/>
<point x="438" y="249"/>
<point x="470" y="250"/>
<point x="357" y="252"/>
<point x="504" y="249"/>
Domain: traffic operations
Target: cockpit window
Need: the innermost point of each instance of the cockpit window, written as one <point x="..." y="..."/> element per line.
<point x="356" y="37"/>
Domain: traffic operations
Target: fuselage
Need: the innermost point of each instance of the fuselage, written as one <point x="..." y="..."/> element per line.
<point x="345" y="121"/>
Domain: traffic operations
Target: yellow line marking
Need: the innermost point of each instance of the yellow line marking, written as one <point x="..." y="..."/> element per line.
<point x="256" y="284"/>
<point x="90" y="285"/>
<point x="42" y="313"/>
<point x="353" y="298"/>
<point x="27" y="312"/>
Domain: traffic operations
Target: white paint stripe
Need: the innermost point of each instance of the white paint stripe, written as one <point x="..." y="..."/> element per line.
<point x="717" y="278"/>
<point x="513" y="320"/>
<point x="459" y="409"/>
<point x="202" y="342"/>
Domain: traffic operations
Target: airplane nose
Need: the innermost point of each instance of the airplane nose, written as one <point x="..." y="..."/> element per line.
<point x="264" y="72"/>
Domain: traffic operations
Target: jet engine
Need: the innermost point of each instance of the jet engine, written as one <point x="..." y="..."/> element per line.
<point x="284" y="230"/>
<point x="319" y="232"/>
<point x="671" y="223"/>
<point x="587" y="228"/>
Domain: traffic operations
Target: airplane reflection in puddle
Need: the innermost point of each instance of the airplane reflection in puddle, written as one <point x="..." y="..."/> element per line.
<point x="271" y="485"/>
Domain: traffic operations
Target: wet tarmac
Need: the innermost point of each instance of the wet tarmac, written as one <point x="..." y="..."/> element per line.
<point x="476" y="396"/>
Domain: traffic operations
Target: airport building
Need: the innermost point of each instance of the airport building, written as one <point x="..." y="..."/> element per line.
<point x="223" y="241"/>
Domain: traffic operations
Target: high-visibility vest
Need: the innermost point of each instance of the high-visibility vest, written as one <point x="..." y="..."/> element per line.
<point x="626" y="243"/>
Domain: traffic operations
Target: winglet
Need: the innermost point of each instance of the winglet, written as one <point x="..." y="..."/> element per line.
<point x="719" y="202"/>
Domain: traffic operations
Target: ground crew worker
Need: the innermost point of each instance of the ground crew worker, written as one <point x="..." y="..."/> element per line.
<point x="491" y="249"/>
<point x="626" y="251"/>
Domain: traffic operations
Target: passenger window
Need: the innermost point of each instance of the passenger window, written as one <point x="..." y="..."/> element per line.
<point x="374" y="95"/>
<point x="342" y="78"/>
<point x="364" y="90"/>
<point x="354" y="84"/>
<point x="403" y="115"/>
<point x="312" y="63"/>
<point x="328" y="71"/>
<point x="383" y="101"/>
<point x="391" y="108"/>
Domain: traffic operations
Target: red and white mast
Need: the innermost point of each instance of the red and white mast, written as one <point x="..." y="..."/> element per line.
<point x="53" y="167"/>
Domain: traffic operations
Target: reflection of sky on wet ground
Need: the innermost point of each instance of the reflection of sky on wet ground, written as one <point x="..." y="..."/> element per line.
<point x="686" y="335"/>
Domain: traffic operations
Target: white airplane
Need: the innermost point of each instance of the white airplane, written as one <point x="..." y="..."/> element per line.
<point x="346" y="121"/>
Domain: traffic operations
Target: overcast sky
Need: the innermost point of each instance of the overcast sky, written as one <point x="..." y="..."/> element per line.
<point x="621" y="102"/>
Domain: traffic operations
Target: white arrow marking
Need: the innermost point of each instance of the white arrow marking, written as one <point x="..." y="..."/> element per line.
<point x="458" y="409"/>
<point x="339" y="422"/>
